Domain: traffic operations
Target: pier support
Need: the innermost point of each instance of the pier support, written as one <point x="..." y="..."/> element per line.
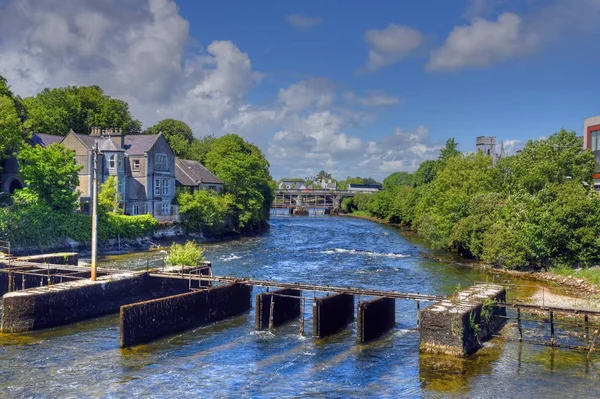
<point x="332" y="313"/>
<point x="458" y="326"/>
<point x="283" y="304"/>
<point x="375" y="318"/>
<point x="146" y="321"/>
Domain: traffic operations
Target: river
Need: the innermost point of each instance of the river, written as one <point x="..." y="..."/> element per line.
<point x="231" y="359"/>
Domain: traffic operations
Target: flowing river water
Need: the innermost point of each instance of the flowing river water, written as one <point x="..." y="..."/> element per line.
<point x="231" y="359"/>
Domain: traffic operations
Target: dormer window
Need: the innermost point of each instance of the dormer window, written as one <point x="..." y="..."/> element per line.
<point x="111" y="161"/>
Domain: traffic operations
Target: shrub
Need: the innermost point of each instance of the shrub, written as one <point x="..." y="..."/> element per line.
<point x="188" y="254"/>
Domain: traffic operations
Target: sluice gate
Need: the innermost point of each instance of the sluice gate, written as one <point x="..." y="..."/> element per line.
<point x="156" y="303"/>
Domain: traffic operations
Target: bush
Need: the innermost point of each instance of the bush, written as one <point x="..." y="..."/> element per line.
<point x="204" y="211"/>
<point x="188" y="254"/>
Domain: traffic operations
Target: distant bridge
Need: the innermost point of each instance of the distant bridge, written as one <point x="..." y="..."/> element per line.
<point x="322" y="199"/>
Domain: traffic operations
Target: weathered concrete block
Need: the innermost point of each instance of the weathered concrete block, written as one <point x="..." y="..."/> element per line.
<point x="64" y="303"/>
<point x="284" y="308"/>
<point x="457" y="327"/>
<point x="331" y="314"/>
<point x="145" y="321"/>
<point x="375" y="318"/>
<point x="61" y="258"/>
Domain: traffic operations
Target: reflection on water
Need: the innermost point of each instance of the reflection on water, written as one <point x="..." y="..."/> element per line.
<point x="230" y="359"/>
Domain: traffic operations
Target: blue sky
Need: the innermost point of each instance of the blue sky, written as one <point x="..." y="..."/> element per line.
<point x="357" y="88"/>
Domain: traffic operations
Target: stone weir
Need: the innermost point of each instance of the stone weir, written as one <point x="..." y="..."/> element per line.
<point x="457" y="326"/>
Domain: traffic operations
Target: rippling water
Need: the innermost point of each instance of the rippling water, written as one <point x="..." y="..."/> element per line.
<point x="230" y="359"/>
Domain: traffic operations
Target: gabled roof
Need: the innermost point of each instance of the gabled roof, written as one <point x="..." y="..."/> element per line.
<point x="139" y="144"/>
<point x="192" y="173"/>
<point x="45" y="140"/>
<point x="109" y="146"/>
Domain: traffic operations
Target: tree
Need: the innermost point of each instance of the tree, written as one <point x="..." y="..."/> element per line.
<point x="343" y="185"/>
<point x="51" y="174"/>
<point x="10" y="127"/>
<point x="245" y="172"/>
<point x="189" y="254"/>
<point x="56" y="111"/>
<point x="370" y="180"/>
<point x="109" y="198"/>
<point x="426" y="173"/>
<point x="322" y="175"/>
<point x="200" y="148"/>
<point x="177" y="133"/>
<point x="450" y="150"/>
<point x="204" y="211"/>
<point x="397" y="179"/>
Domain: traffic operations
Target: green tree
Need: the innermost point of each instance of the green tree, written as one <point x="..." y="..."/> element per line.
<point x="51" y="174"/>
<point x="10" y="127"/>
<point x="57" y="110"/>
<point x="204" y="211"/>
<point x="450" y="150"/>
<point x="245" y="172"/>
<point x="109" y="199"/>
<point x="200" y="148"/>
<point x="177" y="133"/>
<point x="397" y="179"/>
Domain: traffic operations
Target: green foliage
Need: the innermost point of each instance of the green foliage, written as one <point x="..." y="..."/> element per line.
<point x="11" y="131"/>
<point x="109" y="198"/>
<point x="177" y="133"/>
<point x="200" y="148"/>
<point x="51" y="174"/>
<point x="536" y="208"/>
<point x="204" y="211"/>
<point x="55" y="111"/>
<point x="188" y="254"/>
<point x="245" y="172"/>
<point x="487" y="311"/>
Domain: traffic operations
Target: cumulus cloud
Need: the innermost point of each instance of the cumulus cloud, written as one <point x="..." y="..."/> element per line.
<point x="483" y="43"/>
<point x="303" y="21"/>
<point x="390" y="45"/>
<point x="372" y="99"/>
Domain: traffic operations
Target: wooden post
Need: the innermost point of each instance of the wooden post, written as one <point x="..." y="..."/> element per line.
<point x="552" y="327"/>
<point x="302" y="316"/>
<point x="587" y="329"/>
<point x="519" y="324"/>
<point x="418" y="315"/>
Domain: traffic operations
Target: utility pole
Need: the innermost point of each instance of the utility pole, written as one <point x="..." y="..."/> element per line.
<point x="95" y="212"/>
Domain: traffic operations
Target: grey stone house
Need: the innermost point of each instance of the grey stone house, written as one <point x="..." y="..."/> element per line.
<point x="143" y="165"/>
<point x="191" y="176"/>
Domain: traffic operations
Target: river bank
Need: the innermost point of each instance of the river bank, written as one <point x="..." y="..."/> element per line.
<point x="581" y="286"/>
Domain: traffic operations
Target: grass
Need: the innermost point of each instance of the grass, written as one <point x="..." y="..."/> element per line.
<point x="592" y="275"/>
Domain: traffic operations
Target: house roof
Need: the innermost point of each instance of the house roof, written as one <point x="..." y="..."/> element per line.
<point x="45" y="139"/>
<point x="109" y="146"/>
<point x="192" y="173"/>
<point x="370" y="186"/>
<point x="139" y="144"/>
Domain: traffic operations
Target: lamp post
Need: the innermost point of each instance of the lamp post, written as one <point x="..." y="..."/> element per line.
<point x="95" y="212"/>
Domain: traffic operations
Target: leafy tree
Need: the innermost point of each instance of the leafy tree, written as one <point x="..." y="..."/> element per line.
<point x="56" y="111"/>
<point x="397" y="179"/>
<point x="426" y="173"/>
<point x="322" y="175"/>
<point x="343" y="185"/>
<point x="245" y="172"/>
<point x="370" y="180"/>
<point x="109" y="198"/>
<point x="450" y="150"/>
<point x="177" y="133"/>
<point x="200" y="147"/>
<point x="18" y="103"/>
<point x="189" y="254"/>
<point x="10" y="127"/>
<point x="51" y="175"/>
<point x="204" y="211"/>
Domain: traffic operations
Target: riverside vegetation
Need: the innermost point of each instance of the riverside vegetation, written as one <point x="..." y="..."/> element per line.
<point x="43" y="214"/>
<point x="536" y="209"/>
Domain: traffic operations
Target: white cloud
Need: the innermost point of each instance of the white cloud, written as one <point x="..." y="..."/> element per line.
<point x="390" y="45"/>
<point x="303" y="21"/>
<point x="372" y="99"/>
<point x="307" y="93"/>
<point x="481" y="8"/>
<point x="483" y="43"/>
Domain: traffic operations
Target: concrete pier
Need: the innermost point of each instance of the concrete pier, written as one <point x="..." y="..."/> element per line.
<point x="332" y="313"/>
<point x="375" y="318"/>
<point x="149" y="320"/>
<point x="284" y="308"/>
<point x="457" y="326"/>
<point x="65" y="303"/>
<point x="62" y="258"/>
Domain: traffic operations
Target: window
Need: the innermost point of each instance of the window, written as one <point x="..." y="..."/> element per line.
<point x="166" y="208"/>
<point x="161" y="162"/>
<point x="214" y="188"/>
<point x="136" y="164"/>
<point x="135" y="210"/>
<point x="121" y="187"/>
<point x="120" y="160"/>
<point x="157" y="186"/>
<point x="595" y="140"/>
<point x="165" y="187"/>
<point x="111" y="161"/>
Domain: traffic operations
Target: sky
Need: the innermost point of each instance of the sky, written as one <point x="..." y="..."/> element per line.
<point x="352" y="87"/>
